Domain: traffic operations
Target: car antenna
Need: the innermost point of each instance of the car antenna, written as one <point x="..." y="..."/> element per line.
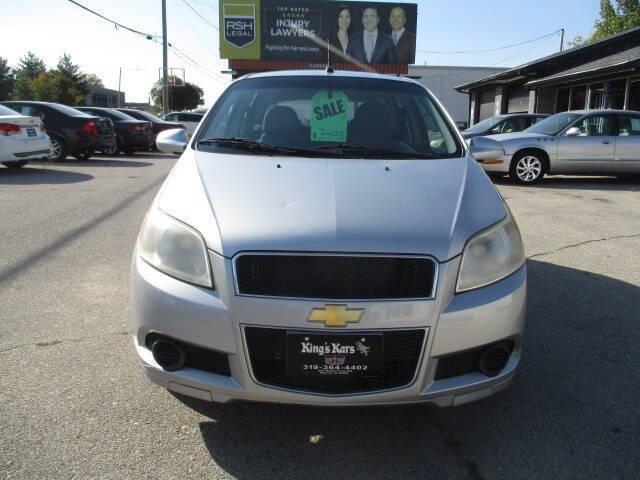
<point x="329" y="67"/>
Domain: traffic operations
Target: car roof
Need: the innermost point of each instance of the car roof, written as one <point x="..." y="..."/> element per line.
<point x="324" y="73"/>
<point x="600" y="110"/>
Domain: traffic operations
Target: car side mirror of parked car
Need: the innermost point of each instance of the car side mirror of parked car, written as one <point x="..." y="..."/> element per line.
<point x="172" y="141"/>
<point x="484" y="148"/>
<point x="573" y="132"/>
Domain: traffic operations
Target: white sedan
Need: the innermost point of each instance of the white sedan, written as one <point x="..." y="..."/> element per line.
<point x="22" y="138"/>
<point x="190" y="120"/>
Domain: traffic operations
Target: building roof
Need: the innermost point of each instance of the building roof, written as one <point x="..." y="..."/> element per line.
<point x="561" y="60"/>
<point x="621" y="60"/>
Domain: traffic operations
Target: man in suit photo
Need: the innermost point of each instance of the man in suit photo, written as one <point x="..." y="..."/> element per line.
<point x="403" y="40"/>
<point x="371" y="45"/>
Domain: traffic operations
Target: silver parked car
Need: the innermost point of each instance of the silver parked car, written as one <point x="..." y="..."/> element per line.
<point x="507" y="123"/>
<point x="327" y="239"/>
<point x="576" y="142"/>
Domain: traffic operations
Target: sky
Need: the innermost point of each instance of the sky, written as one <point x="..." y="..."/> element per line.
<point x="51" y="27"/>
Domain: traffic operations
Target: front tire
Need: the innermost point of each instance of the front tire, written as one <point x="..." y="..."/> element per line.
<point x="16" y="164"/>
<point x="527" y="168"/>
<point x="58" y="150"/>
<point x="112" y="150"/>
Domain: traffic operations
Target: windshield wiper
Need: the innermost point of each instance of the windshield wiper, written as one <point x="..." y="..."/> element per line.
<point x="355" y="149"/>
<point x="242" y="143"/>
<point x="260" y="147"/>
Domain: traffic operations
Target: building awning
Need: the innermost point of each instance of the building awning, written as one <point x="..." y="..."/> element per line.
<point x="552" y="64"/>
<point x="617" y="62"/>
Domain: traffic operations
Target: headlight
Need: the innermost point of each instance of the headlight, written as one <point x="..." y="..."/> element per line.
<point x="491" y="255"/>
<point x="174" y="248"/>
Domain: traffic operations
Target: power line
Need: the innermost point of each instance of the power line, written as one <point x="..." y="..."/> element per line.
<point x="200" y="15"/>
<point x="491" y="49"/>
<point x="148" y="36"/>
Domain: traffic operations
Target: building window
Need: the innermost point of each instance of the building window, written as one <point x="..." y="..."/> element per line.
<point x="596" y="95"/>
<point x="578" y="97"/>
<point x="564" y="95"/>
<point x="634" y="95"/>
<point x="615" y="93"/>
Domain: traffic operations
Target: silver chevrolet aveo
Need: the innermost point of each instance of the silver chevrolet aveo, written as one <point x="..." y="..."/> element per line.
<point x="327" y="238"/>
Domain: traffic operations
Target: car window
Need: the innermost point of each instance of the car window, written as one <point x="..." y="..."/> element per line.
<point x="595" y="126"/>
<point x="513" y="124"/>
<point x="484" y="125"/>
<point x="190" y="117"/>
<point x="554" y="124"/>
<point x="72" y="112"/>
<point x="628" y="125"/>
<point x="8" y="111"/>
<point x="316" y="112"/>
<point x="172" y="117"/>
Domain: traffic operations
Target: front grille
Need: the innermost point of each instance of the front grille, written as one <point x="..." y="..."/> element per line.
<point x="267" y="352"/>
<point x="335" y="277"/>
<point x="197" y="357"/>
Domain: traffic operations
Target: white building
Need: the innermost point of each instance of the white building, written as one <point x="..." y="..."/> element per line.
<point x="442" y="80"/>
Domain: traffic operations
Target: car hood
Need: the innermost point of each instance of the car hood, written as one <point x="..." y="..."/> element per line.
<point x="249" y="202"/>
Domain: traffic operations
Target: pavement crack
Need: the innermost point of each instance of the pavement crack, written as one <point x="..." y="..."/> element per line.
<point x="52" y="342"/>
<point x="580" y="244"/>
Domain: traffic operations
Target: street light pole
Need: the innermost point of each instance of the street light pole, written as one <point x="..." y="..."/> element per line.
<point x="165" y="80"/>
<point x="561" y="39"/>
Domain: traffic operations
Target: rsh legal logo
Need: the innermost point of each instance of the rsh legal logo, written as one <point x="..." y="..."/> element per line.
<point x="239" y="24"/>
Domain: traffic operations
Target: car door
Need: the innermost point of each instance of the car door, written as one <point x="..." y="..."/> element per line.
<point x="590" y="151"/>
<point x="627" y="150"/>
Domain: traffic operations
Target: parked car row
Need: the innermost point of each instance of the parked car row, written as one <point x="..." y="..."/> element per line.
<point x="32" y="130"/>
<point x="575" y="142"/>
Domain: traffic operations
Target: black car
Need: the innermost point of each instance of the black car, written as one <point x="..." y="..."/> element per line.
<point x="513" y="122"/>
<point x="71" y="131"/>
<point x="131" y="134"/>
<point x="158" y="125"/>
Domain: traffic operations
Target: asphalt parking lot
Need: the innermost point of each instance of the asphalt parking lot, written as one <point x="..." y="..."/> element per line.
<point x="74" y="403"/>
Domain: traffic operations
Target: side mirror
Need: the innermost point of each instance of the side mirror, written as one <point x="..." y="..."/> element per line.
<point x="573" y="132"/>
<point x="485" y="148"/>
<point x="172" y="141"/>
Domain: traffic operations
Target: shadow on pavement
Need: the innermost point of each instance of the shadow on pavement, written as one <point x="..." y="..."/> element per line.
<point x="626" y="183"/>
<point x="571" y="412"/>
<point x="40" y="176"/>
<point x="96" y="162"/>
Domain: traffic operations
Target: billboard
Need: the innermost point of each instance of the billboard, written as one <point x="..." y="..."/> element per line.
<point x="313" y="30"/>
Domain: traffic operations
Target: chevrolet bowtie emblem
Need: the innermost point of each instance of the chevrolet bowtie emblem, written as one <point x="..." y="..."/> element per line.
<point x="335" y="315"/>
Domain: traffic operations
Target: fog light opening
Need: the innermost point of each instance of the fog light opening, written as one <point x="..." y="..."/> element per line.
<point x="168" y="355"/>
<point x="494" y="359"/>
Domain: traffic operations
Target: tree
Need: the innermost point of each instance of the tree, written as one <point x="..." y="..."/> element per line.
<point x="6" y="80"/>
<point x="625" y="14"/>
<point x="71" y="82"/>
<point x="29" y="67"/>
<point x="45" y="87"/>
<point x="94" y="81"/>
<point x="181" y="95"/>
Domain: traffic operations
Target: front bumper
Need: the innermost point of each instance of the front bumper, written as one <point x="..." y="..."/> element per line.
<point x="215" y="319"/>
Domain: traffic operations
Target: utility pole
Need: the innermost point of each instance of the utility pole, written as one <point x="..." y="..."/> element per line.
<point x="165" y="80"/>
<point x="119" y="84"/>
<point x="561" y="39"/>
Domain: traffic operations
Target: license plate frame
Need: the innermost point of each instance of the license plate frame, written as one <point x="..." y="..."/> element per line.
<point x="327" y="355"/>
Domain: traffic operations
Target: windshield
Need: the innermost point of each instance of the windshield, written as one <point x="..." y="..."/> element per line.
<point x="354" y="114"/>
<point x="554" y="124"/>
<point x="145" y="116"/>
<point x="484" y="125"/>
<point x="7" y="111"/>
